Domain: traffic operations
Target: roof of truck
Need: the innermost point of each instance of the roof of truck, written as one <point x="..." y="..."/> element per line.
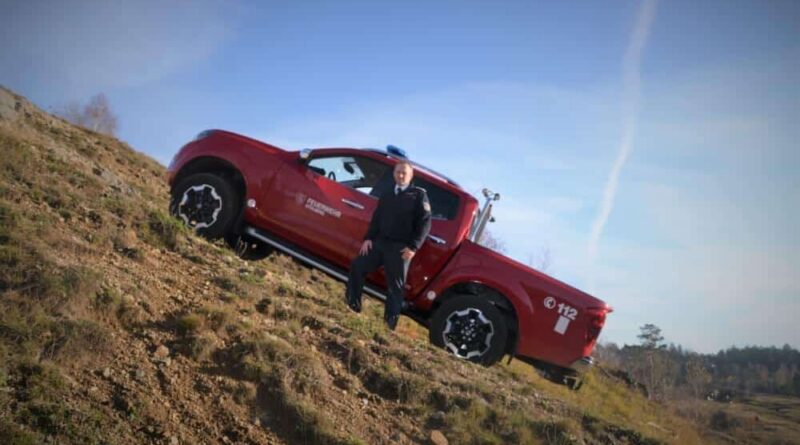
<point x="427" y="170"/>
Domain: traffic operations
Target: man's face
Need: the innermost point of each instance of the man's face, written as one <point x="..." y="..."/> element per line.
<point x="403" y="174"/>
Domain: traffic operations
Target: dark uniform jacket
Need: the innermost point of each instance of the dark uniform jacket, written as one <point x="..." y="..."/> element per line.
<point x="405" y="217"/>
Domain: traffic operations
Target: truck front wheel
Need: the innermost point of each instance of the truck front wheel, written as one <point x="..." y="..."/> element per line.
<point x="470" y="327"/>
<point x="207" y="203"/>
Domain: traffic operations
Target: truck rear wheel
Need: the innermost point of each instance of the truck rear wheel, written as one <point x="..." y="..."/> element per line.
<point x="207" y="203"/>
<point x="470" y="327"/>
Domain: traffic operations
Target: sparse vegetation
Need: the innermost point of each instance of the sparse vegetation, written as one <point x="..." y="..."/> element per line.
<point x="117" y="325"/>
<point x="189" y="324"/>
<point x="96" y="115"/>
<point x="164" y="230"/>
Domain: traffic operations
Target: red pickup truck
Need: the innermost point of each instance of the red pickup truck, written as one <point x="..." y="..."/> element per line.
<point x="316" y="205"/>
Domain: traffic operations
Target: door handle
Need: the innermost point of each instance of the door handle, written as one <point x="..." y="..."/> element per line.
<point x="353" y="204"/>
<point x="436" y="239"/>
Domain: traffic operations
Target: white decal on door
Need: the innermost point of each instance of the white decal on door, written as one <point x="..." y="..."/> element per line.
<point x="322" y="209"/>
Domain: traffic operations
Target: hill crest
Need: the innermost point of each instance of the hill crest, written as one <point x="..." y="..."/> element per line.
<point x="117" y="325"/>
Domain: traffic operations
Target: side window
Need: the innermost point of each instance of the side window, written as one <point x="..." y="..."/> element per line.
<point x="444" y="204"/>
<point x="357" y="172"/>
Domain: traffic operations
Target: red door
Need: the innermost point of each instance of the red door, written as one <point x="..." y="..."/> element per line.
<point x="324" y="204"/>
<point x="446" y="222"/>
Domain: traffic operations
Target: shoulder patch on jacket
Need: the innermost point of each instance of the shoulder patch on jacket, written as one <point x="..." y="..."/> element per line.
<point x="423" y="195"/>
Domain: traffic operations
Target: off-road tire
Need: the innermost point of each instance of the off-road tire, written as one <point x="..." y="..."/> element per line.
<point x="207" y="203"/>
<point x="470" y="327"/>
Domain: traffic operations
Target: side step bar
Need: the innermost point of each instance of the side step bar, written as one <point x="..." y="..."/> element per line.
<point x="309" y="259"/>
<point x="332" y="270"/>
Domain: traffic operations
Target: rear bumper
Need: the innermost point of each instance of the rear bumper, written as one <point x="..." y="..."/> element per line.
<point x="582" y="365"/>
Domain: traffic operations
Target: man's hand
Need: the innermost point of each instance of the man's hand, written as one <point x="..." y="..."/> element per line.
<point x="407" y="254"/>
<point x="365" y="246"/>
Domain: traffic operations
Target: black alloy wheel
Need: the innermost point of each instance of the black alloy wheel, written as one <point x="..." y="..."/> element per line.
<point x="207" y="203"/>
<point x="468" y="333"/>
<point x="470" y="327"/>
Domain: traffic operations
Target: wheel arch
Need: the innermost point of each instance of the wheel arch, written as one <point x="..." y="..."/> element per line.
<point x="495" y="297"/>
<point x="218" y="166"/>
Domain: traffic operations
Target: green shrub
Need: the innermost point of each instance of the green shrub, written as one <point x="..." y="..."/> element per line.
<point x="164" y="230"/>
<point x="118" y="206"/>
<point x="16" y="163"/>
<point x="263" y="305"/>
<point x="255" y="277"/>
<point x="467" y="426"/>
<point x="128" y="313"/>
<point x="300" y="418"/>
<point x="226" y="283"/>
<point x="22" y="329"/>
<point x="15" y="267"/>
<point x="8" y="222"/>
<point x="189" y="324"/>
<point x="198" y="346"/>
<point x="51" y="418"/>
<point x="39" y="381"/>
<point x="364" y="327"/>
<point x="218" y="318"/>
<point x="11" y="434"/>
<point x="555" y="432"/>
<point x="107" y="299"/>
<point x="72" y="339"/>
<point x="721" y="421"/>
<point x="56" y="287"/>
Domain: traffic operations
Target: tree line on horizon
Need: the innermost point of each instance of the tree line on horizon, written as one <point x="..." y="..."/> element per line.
<point x="668" y="371"/>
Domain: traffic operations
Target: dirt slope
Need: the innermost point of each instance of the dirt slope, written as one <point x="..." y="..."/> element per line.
<point x="118" y="326"/>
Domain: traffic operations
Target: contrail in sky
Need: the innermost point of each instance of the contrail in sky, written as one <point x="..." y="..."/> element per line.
<point x="631" y="65"/>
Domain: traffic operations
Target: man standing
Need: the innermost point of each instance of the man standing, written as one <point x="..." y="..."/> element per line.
<point x="399" y="226"/>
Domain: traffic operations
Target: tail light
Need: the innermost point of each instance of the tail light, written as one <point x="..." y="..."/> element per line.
<point x="597" y="318"/>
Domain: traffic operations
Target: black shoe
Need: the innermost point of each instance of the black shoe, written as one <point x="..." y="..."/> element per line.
<point x="354" y="306"/>
<point x="391" y="322"/>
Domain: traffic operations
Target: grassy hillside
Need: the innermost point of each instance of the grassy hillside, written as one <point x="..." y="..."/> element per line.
<point x="117" y="326"/>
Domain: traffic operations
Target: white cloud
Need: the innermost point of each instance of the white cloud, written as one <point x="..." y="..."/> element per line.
<point x="632" y="80"/>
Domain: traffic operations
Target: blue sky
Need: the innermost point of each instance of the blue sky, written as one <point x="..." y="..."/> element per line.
<point x="696" y="103"/>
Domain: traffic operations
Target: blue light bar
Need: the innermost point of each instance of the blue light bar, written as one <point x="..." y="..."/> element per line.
<point x="396" y="151"/>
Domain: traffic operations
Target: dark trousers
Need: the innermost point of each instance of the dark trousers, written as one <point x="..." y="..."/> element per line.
<point x="387" y="254"/>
